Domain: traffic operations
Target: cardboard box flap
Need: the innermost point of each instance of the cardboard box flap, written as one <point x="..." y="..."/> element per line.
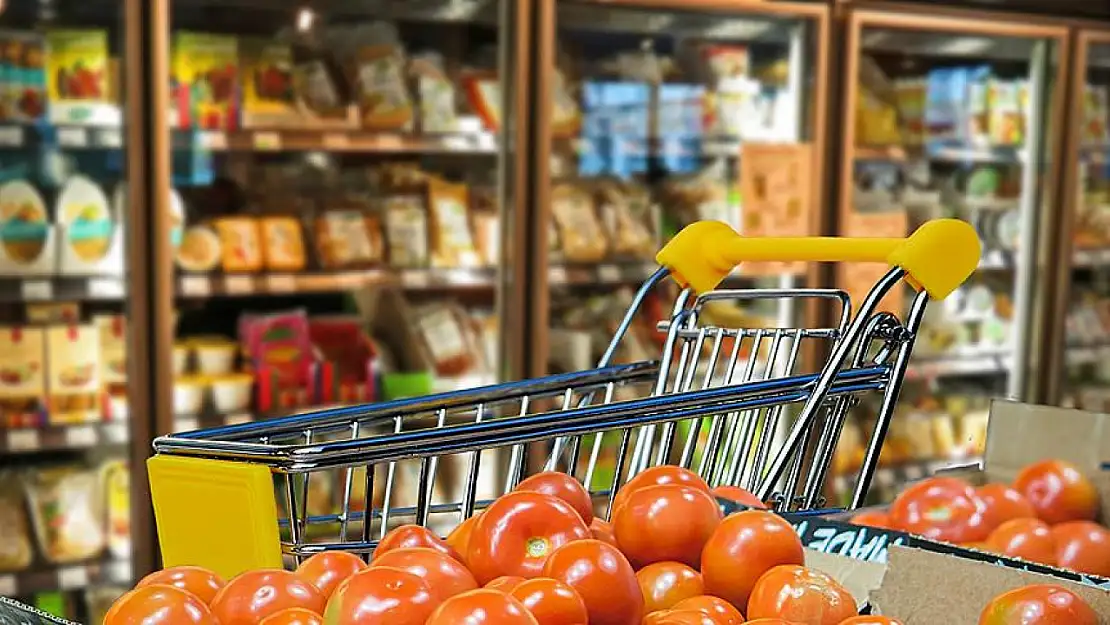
<point x="1019" y="434"/>
<point x="919" y="586"/>
<point x="858" y="576"/>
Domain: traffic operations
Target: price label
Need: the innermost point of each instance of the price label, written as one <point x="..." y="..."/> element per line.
<point x="73" y="137"/>
<point x="416" y="279"/>
<point x="213" y="140"/>
<point x="80" y="436"/>
<point x="238" y="285"/>
<point x="196" y="286"/>
<point x="23" y="440"/>
<point x="11" y="136"/>
<point x="609" y="273"/>
<point x="119" y="571"/>
<point x="281" y="283"/>
<point x="236" y="419"/>
<point x="116" y="433"/>
<point x="110" y="138"/>
<point x="388" y="142"/>
<point x="185" y="424"/>
<point x="8" y="586"/>
<point x="107" y="288"/>
<point x="557" y="275"/>
<point x="73" y="577"/>
<point x="336" y="141"/>
<point x="37" y="290"/>
<point x="267" y="141"/>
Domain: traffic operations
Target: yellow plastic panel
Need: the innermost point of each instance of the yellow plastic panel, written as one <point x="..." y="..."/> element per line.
<point x="213" y="513"/>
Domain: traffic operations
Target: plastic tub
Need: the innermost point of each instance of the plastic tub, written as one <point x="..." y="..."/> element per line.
<point x="215" y="358"/>
<point x="232" y="393"/>
<point x="180" y="358"/>
<point x="188" y="396"/>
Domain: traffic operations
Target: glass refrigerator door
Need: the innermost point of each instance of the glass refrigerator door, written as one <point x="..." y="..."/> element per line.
<point x="951" y="118"/>
<point x="64" y="424"/>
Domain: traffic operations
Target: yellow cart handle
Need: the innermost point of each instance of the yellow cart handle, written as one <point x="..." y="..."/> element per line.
<point x="937" y="257"/>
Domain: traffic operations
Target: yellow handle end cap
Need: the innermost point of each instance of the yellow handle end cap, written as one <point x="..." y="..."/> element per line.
<point x="696" y="256"/>
<point x="939" y="256"/>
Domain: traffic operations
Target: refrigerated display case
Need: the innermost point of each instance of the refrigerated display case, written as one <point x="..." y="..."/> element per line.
<point x="955" y="116"/>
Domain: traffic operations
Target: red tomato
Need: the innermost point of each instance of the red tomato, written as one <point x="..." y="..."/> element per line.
<point x="680" y="617"/>
<point x="413" y="536"/>
<point x="670" y="522"/>
<point x="1003" y="503"/>
<point x="505" y="583"/>
<point x="1039" y="604"/>
<point x="446" y="575"/>
<point x="654" y="476"/>
<point x="201" y="582"/>
<point x="871" y="620"/>
<point x="552" y="602"/>
<point x="1028" y="539"/>
<point x="601" y="575"/>
<point x="1058" y="491"/>
<point x="562" y="486"/>
<point x="293" y="616"/>
<point x="664" y="584"/>
<point x="744" y="547"/>
<point x="158" y="604"/>
<point x="459" y="538"/>
<point x="254" y="595"/>
<point x="722" y="611"/>
<point x="517" y="533"/>
<point x="738" y="495"/>
<point x="381" y="594"/>
<point x="328" y="569"/>
<point x="603" y="531"/>
<point x="941" y="508"/>
<point x="481" y="607"/>
<point x="873" y="518"/>
<point x="803" y="595"/>
<point x="1083" y="546"/>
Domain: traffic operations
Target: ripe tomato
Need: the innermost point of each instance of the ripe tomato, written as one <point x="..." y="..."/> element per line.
<point x="254" y="595"/>
<point x="517" y="533"/>
<point x="562" y="486"/>
<point x="1040" y="604"/>
<point x="1003" y="503"/>
<point x="293" y="616"/>
<point x="158" y="604"/>
<point x="940" y="508"/>
<point x="1083" y="546"/>
<point x="744" y="547"/>
<point x="446" y="575"/>
<point x="664" y="584"/>
<point x="481" y="607"/>
<point x="1058" y="491"/>
<point x="723" y="612"/>
<point x="603" y="531"/>
<point x="679" y="617"/>
<point x="505" y="583"/>
<point x="601" y="575"/>
<point x="806" y="596"/>
<point x="1028" y="539"/>
<point x="328" y="569"/>
<point x="413" y="536"/>
<point x="873" y="518"/>
<point x="654" y="476"/>
<point x="738" y="495"/>
<point x="871" y="620"/>
<point x="552" y="602"/>
<point x="669" y="522"/>
<point x="459" y="538"/>
<point x="381" y="594"/>
<point x="201" y="582"/>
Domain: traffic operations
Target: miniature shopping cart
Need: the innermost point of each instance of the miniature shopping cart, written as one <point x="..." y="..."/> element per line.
<point x="734" y="404"/>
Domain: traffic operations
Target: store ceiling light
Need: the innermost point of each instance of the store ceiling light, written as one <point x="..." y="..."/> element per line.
<point x="306" y="17"/>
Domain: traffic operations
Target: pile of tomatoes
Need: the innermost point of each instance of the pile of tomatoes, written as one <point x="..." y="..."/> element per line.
<point x="539" y="556"/>
<point x="1047" y="515"/>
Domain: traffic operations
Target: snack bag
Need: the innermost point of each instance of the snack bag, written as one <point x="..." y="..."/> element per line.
<point x="66" y="509"/>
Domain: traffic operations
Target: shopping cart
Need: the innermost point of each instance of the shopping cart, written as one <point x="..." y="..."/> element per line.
<point x="733" y="404"/>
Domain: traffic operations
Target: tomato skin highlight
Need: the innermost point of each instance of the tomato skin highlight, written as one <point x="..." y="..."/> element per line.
<point x="941" y="508"/>
<point x="1028" y="539"/>
<point x="1040" y="604"/>
<point x="551" y="602"/>
<point x="459" y="538"/>
<point x="254" y="595"/>
<point x="159" y="604"/>
<point x="293" y="616"/>
<point x="722" y="611"/>
<point x="602" y="576"/>
<point x="1058" y="491"/>
<point x="381" y="594"/>
<point x="480" y="607"/>
<point x="407" y="536"/>
<point x="744" y="547"/>
<point x="505" y="583"/>
<point x="683" y="617"/>
<point x="664" y="584"/>
<point x="803" y="595"/>
<point x="562" y="486"/>
<point x="1083" y="546"/>
<point x="665" y="523"/>
<point x="1003" y="503"/>
<point x="656" y="476"/>
<point x="328" y="569"/>
<point x="198" y="581"/>
<point x="518" y="532"/>
<point x="445" y="575"/>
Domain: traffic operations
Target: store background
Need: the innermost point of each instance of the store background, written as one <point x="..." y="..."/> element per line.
<point x="306" y="257"/>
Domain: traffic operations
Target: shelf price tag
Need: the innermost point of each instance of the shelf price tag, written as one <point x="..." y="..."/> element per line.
<point x="73" y="138"/>
<point x="109" y="138"/>
<point x="23" y="440"/>
<point x="238" y="285"/>
<point x="116" y="433"/>
<point x="8" y="586"/>
<point x="196" y="286"/>
<point x="11" y="136"/>
<point x="336" y="141"/>
<point x="236" y="419"/>
<point x="557" y="275"/>
<point x="415" y="279"/>
<point x="267" y="141"/>
<point x="108" y="288"/>
<point x="37" y="290"/>
<point x="73" y="577"/>
<point x="281" y="283"/>
<point x="80" y="436"/>
<point x="185" y="424"/>
<point x="609" y="273"/>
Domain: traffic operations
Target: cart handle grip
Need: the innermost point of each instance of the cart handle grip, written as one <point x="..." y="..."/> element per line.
<point x="937" y="257"/>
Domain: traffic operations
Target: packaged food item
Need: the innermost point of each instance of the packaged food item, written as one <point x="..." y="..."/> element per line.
<point x="22" y="375"/>
<point x="240" y="244"/>
<point x="1096" y="114"/>
<point x="113" y="351"/>
<point x="381" y="92"/>
<point x="205" y="80"/>
<point x="946" y="92"/>
<point x="406" y="230"/>
<point x="200" y="250"/>
<point x="629" y="236"/>
<point x="483" y="93"/>
<point x="282" y="244"/>
<point x="117" y="495"/>
<point x="579" y="233"/>
<point x="42" y="314"/>
<point x="448" y="339"/>
<point x="214" y="356"/>
<point x="74" y="375"/>
<point x="978" y="106"/>
<point x="730" y="88"/>
<point x="451" y="242"/>
<point x="231" y="392"/>
<point x="189" y="392"/>
<point x="15" y="549"/>
<point x="435" y="94"/>
<point x="344" y="239"/>
<point x="85" y="214"/>
<point x="278" y="345"/>
<point x="67" y="512"/>
<point x="487" y="236"/>
<point x="566" y="116"/>
<point x="23" y="222"/>
<point x="269" y="97"/>
<point x="77" y="84"/>
<point x="22" y="76"/>
<point x="1007" y="115"/>
<point x="910" y="94"/>
<point x="323" y="91"/>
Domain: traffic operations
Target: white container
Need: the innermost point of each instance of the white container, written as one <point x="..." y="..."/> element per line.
<point x="188" y="396"/>
<point x="215" y="358"/>
<point x="232" y="393"/>
<point x="180" y="359"/>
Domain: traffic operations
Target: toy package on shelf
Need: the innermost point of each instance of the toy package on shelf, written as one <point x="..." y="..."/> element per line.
<point x="279" y="348"/>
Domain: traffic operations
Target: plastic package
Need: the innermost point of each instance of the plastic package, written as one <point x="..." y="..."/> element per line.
<point x="67" y="513"/>
<point x="15" y="550"/>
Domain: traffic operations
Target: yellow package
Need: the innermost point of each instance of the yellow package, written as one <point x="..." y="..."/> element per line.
<point x="240" y="244"/>
<point x="205" y="71"/>
<point x="77" y="74"/>
<point x="282" y="244"/>
<point x="74" y="375"/>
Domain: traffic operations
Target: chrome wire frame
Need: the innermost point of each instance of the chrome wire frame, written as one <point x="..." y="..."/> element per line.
<point x="728" y="403"/>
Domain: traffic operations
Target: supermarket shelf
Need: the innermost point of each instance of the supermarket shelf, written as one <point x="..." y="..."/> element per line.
<point x="62" y="438"/>
<point x="98" y="572"/>
<point x="944" y="152"/>
<point x="69" y="137"/>
<point x="303" y="140"/>
<point x="61" y="288"/>
<point x="958" y="366"/>
<point x="1087" y="353"/>
<point x="675" y="146"/>
<point x="1094" y="257"/>
<point x="230" y="285"/>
